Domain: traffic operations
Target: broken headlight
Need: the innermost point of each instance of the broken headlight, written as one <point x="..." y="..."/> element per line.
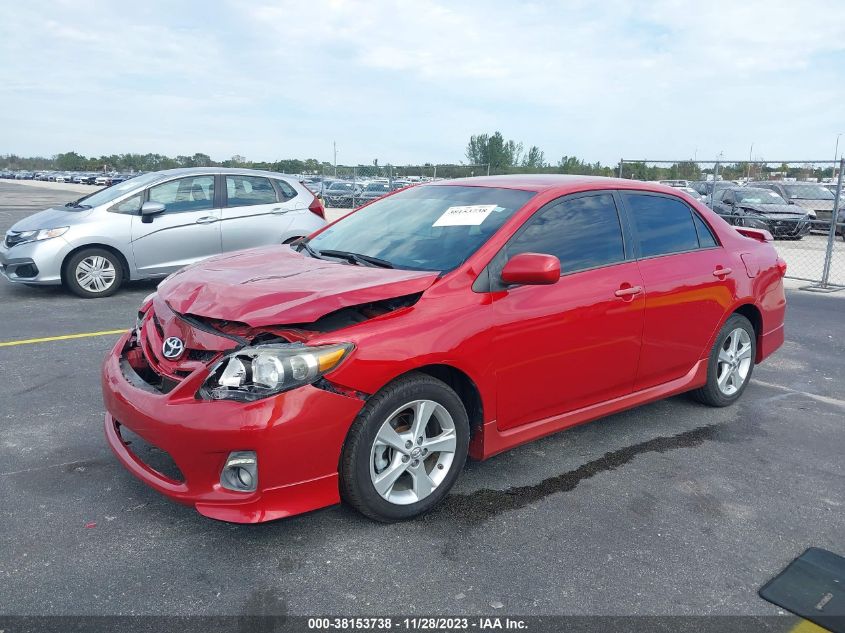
<point x="252" y="373"/>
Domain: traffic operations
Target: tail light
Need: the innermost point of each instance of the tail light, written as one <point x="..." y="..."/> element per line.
<point x="781" y="264"/>
<point x="317" y="208"/>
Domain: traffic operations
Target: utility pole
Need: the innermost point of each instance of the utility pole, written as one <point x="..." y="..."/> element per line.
<point x="334" y="146"/>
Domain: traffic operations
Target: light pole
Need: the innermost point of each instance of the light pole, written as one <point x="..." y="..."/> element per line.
<point x="748" y="172"/>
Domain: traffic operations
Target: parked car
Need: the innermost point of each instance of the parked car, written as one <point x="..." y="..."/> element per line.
<point x="149" y="226"/>
<point x="675" y="183"/>
<point x="692" y="192"/>
<point x="103" y="180"/>
<point x="118" y="178"/>
<point x="342" y="193"/>
<point x="705" y="188"/>
<point x="372" y="191"/>
<point x="459" y="318"/>
<point x="762" y="209"/>
<point x="811" y="196"/>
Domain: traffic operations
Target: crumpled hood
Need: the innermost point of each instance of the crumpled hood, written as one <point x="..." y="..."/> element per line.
<point x="780" y="211"/>
<point x="52" y="218"/>
<point x="277" y="286"/>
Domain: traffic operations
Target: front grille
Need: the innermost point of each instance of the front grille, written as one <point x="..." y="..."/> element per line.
<point x="143" y="355"/>
<point x="201" y="355"/>
<point x="154" y="457"/>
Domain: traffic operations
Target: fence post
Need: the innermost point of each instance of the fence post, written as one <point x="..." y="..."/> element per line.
<point x="713" y="188"/>
<point x="831" y="235"/>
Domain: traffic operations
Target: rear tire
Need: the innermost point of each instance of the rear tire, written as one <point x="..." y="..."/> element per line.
<point x="730" y="364"/>
<point x="405" y="449"/>
<point x="93" y="273"/>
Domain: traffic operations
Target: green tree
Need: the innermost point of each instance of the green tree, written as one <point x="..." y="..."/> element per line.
<point x="534" y="159"/>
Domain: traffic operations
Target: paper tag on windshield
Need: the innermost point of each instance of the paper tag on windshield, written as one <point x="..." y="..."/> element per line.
<point x="470" y="215"/>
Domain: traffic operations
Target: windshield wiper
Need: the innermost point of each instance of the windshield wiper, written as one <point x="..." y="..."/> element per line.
<point x="304" y="245"/>
<point x="75" y="205"/>
<point x="358" y="258"/>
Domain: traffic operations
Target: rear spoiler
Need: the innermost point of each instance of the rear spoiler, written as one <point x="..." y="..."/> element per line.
<point x="755" y="234"/>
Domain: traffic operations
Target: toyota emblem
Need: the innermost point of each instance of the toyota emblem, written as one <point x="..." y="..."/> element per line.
<point x="172" y="348"/>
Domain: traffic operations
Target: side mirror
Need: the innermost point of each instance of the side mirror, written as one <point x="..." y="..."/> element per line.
<point x="533" y="269"/>
<point x="151" y="209"/>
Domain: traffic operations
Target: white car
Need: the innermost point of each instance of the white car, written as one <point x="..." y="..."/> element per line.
<point x="152" y="225"/>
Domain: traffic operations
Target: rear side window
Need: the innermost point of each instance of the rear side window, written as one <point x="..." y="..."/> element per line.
<point x="662" y="225"/>
<point x="581" y="232"/>
<point x="288" y="192"/>
<point x="244" y="191"/>
<point x="706" y="239"/>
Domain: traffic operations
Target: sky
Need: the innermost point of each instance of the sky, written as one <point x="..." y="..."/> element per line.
<point x="409" y="82"/>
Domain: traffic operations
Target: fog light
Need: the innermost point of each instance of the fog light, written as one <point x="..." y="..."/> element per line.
<point x="240" y="472"/>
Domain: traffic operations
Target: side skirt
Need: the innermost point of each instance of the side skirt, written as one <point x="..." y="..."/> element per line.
<point x="490" y="441"/>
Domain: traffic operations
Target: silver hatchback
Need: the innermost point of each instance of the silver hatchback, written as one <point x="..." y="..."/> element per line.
<point x="152" y="225"/>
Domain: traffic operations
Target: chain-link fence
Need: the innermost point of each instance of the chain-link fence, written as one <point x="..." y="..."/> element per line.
<point x="801" y="203"/>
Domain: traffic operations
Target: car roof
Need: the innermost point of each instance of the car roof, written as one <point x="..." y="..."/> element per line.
<point x="562" y="182"/>
<point x="187" y="171"/>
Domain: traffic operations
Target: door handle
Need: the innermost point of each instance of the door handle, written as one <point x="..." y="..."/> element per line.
<point x="629" y="292"/>
<point x="207" y="220"/>
<point x="722" y="272"/>
<point x="279" y="211"/>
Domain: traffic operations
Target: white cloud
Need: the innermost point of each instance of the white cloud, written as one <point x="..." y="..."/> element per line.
<point x="410" y="81"/>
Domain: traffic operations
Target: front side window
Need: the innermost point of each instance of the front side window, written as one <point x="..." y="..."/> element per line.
<point x="194" y="193"/>
<point x="662" y="225"/>
<point x="245" y="191"/>
<point x="431" y="227"/>
<point x="131" y="205"/>
<point x="581" y="232"/>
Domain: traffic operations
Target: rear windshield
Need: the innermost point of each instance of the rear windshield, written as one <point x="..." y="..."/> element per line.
<point x="433" y="227"/>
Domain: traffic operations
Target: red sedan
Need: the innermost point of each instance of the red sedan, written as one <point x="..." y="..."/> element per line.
<point x="445" y="320"/>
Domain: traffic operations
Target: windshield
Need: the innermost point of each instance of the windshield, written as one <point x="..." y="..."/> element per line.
<point x="108" y="194"/>
<point x="377" y="186"/>
<point x="342" y="186"/>
<point x="807" y="192"/>
<point x="759" y="196"/>
<point x="433" y="227"/>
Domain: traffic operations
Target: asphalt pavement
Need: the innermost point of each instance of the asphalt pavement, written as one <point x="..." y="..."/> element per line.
<point x="671" y="508"/>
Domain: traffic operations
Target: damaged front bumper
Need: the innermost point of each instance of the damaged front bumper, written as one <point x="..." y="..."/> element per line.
<point x="297" y="437"/>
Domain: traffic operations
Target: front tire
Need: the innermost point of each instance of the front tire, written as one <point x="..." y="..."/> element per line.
<point x="93" y="273"/>
<point x="405" y="449"/>
<point x="730" y="364"/>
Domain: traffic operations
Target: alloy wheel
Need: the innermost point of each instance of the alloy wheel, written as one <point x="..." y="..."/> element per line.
<point x="413" y="452"/>
<point x="734" y="363"/>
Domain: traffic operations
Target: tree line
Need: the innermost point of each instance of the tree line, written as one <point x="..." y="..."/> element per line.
<point x="484" y="153"/>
